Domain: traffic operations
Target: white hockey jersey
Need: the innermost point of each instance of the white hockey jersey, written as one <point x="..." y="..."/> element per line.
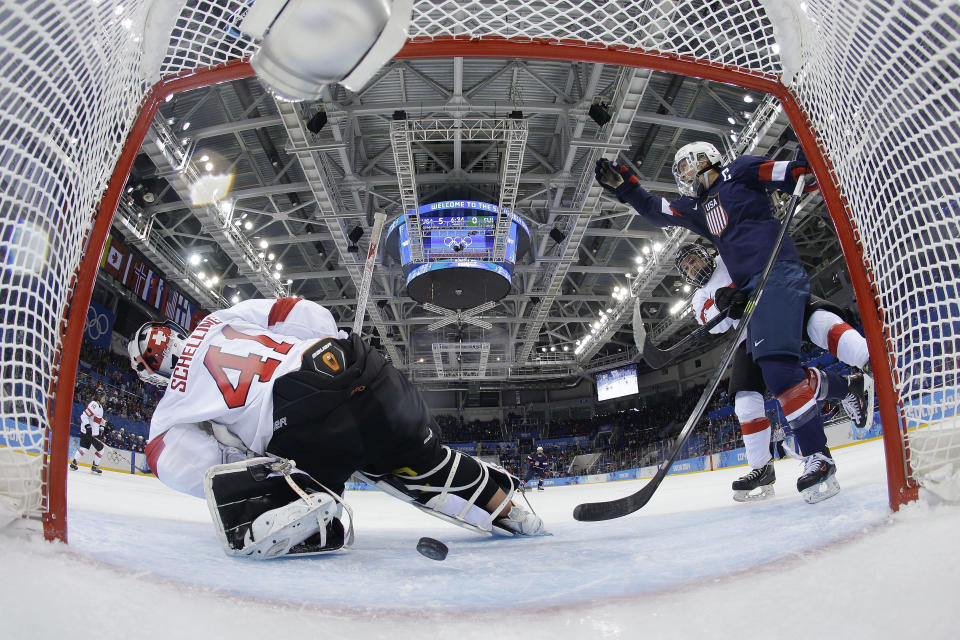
<point x="704" y="305"/>
<point x="225" y="375"/>
<point x="92" y="418"/>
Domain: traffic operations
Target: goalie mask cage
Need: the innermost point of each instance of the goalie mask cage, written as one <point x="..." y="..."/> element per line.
<point x="874" y="105"/>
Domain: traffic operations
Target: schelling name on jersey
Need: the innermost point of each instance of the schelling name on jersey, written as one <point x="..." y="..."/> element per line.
<point x="178" y="381"/>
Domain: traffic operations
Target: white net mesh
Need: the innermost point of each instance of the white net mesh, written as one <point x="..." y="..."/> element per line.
<point x="880" y="87"/>
<point x="882" y="94"/>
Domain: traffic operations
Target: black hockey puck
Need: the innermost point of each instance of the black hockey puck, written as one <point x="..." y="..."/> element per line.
<point x="433" y="549"/>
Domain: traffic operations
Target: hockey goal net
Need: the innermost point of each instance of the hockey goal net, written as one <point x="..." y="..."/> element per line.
<point x="873" y="100"/>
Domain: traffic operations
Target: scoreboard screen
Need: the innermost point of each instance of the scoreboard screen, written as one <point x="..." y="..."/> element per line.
<point x="458" y="236"/>
<point x="457" y="230"/>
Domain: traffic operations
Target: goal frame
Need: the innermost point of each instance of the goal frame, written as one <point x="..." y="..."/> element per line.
<point x="900" y="488"/>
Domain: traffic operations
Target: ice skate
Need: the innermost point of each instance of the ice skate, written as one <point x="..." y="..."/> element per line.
<point x="95" y="469"/>
<point x="818" y="480"/>
<point x="539" y="487"/>
<point x="858" y="403"/>
<point x="73" y="465"/>
<point x="762" y="478"/>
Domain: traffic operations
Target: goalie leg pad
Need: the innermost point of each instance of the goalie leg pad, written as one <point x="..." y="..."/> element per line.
<point x="457" y="489"/>
<point x="264" y="508"/>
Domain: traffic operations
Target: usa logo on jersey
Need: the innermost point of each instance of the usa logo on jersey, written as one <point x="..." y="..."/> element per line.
<point x="716" y="215"/>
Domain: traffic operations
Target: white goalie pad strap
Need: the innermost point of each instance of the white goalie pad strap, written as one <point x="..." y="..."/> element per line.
<point x="459" y="509"/>
<point x="274" y="533"/>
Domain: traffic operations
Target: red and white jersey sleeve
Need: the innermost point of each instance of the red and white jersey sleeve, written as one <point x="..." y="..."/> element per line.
<point x="92" y="417"/>
<point x="225" y="374"/>
<point x="704" y="305"/>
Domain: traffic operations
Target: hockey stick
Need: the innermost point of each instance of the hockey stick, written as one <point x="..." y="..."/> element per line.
<point x="596" y="511"/>
<point x="655" y="356"/>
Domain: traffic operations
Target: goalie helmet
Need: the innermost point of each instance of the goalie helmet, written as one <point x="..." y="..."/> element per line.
<point x="695" y="264"/>
<point x="686" y="167"/>
<point x="154" y="350"/>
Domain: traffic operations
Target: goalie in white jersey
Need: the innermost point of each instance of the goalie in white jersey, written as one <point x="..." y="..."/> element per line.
<point x="267" y="382"/>
<point x="824" y="328"/>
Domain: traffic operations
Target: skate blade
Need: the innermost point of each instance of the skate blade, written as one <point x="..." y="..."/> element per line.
<point x="742" y="495"/>
<point x="814" y="494"/>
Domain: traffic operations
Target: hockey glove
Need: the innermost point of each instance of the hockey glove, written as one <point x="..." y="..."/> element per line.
<point x="731" y="301"/>
<point x="616" y="178"/>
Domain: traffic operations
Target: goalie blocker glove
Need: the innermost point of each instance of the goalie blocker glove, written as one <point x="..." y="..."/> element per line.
<point x="265" y="508"/>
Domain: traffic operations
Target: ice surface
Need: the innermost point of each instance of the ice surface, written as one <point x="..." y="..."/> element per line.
<point x="144" y="562"/>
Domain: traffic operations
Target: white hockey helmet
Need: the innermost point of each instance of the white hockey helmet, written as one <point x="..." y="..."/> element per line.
<point x="686" y="166"/>
<point x="154" y="350"/>
<point x="539" y="449"/>
<point x="695" y="264"/>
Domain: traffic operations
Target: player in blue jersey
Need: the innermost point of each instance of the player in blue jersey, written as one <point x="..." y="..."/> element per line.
<point x="824" y="327"/>
<point x="730" y="206"/>
<point x="537" y="464"/>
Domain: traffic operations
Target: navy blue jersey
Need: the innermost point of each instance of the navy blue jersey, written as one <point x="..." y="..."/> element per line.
<point x="735" y="214"/>
<point x="538" y="460"/>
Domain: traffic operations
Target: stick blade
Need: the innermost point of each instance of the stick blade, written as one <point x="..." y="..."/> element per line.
<point x="599" y="511"/>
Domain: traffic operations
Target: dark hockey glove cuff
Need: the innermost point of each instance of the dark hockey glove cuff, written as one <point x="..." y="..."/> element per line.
<point x="731" y="301"/>
<point x="616" y="178"/>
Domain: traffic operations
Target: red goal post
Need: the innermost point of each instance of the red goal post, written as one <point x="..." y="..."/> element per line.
<point x="875" y="97"/>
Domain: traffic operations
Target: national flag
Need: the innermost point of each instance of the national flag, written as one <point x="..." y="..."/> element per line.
<point x="116" y="258"/>
<point x="160" y="293"/>
<point x="139" y="279"/>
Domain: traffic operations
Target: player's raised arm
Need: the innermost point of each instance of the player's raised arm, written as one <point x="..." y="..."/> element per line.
<point x="772" y="175"/>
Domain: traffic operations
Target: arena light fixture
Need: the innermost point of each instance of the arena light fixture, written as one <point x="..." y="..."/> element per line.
<point x="317" y="122"/>
<point x="599" y="112"/>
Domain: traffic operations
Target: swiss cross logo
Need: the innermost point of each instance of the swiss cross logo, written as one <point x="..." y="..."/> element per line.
<point x="716" y="215"/>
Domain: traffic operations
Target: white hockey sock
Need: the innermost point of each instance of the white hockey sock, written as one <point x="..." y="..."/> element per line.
<point x="755" y="427"/>
<point x="852" y="348"/>
<point x="756" y="438"/>
<point x="828" y="331"/>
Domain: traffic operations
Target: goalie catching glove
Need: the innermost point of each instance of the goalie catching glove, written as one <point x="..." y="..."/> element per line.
<point x="266" y="508"/>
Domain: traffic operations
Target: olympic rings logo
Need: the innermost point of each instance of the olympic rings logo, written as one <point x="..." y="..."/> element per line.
<point x="461" y="241"/>
<point x="97" y="324"/>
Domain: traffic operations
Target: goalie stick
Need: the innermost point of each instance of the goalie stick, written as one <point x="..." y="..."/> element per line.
<point x="596" y="511"/>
